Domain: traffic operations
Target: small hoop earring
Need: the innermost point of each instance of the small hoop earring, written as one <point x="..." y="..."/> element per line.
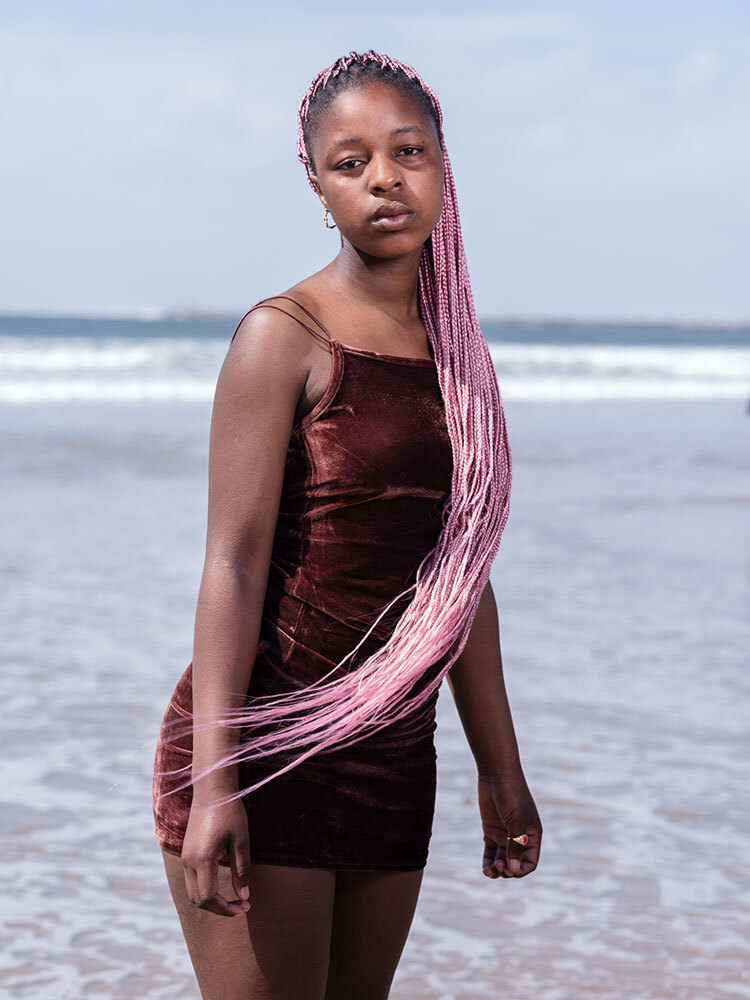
<point x="325" y="220"/>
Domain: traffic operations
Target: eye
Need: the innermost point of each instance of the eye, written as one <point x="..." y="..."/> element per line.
<point x="417" y="149"/>
<point x="343" y="164"/>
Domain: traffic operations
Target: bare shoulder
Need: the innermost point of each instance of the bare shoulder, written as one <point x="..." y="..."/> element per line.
<point x="273" y="330"/>
<point x="258" y="392"/>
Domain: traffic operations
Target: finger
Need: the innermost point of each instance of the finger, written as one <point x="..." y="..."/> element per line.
<point x="492" y="852"/>
<point x="514" y="853"/>
<point x="224" y="908"/>
<point x="530" y="853"/>
<point x="239" y="857"/>
<point x="529" y="861"/>
<point x="191" y="883"/>
<point x="214" y="906"/>
<point x="500" y="861"/>
<point x="530" y="858"/>
<point x="207" y="876"/>
<point x="499" y="870"/>
<point x="209" y="897"/>
<point x="488" y="857"/>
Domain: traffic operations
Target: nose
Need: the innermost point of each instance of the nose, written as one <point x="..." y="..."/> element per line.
<point x="383" y="175"/>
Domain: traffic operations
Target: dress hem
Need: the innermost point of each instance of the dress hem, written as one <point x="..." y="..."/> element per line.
<point x="270" y="859"/>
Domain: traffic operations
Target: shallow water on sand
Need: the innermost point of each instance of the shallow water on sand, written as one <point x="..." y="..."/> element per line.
<point x="622" y="585"/>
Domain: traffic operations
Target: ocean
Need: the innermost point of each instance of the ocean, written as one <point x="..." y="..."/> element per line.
<point x="170" y="359"/>
<point x="623" y="591"/>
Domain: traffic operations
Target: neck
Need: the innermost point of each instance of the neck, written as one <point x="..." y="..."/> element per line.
<point x="388" y="285"/>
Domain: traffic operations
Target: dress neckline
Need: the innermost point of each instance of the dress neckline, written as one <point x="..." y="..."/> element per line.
<point x="397" y="358"/>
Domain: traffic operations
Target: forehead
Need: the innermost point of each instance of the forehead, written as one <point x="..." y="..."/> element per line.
<point x="369" y="112"/>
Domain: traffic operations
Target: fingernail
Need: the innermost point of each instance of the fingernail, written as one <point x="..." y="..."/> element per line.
<point x="245" y="892"/>
<point x="515" y="864"/>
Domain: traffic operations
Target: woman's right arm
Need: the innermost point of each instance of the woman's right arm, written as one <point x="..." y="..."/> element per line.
<point x="258" y="389"/>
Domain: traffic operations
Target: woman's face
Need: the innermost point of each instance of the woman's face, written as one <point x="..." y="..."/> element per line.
<point x="376" y="152"/>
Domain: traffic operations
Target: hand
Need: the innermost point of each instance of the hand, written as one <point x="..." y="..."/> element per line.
<point x="215" y="834"/>
<point x="507" y="809"/>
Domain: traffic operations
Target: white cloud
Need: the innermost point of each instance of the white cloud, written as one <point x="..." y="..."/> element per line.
<point x="161" y="168"/>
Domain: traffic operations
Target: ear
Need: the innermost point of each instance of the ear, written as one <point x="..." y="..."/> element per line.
<point x="316" y="184"/>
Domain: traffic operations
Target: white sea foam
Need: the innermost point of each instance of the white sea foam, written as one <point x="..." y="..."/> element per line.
<point x="58" y="369"/>
<point x="71" y="354"/>
<point x="615" y="359"/>
<point x="105" y="390"/>
<point x="583" y="390"/>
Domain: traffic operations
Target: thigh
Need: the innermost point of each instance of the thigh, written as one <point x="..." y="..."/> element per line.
<point x="372" y="915"/>
<point x="278" y="951"/>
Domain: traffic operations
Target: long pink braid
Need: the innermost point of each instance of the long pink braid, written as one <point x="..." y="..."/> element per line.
<point x="332" y="714"/>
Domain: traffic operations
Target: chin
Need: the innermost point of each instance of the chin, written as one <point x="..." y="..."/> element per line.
<point x="391" y="245"/>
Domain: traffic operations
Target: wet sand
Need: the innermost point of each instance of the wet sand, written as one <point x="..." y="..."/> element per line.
<point x="622" y="586"/>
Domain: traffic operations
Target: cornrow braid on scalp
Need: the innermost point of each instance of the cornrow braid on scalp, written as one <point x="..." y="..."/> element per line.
<point x="359" y="69"/>
<point x="400" y="676"/>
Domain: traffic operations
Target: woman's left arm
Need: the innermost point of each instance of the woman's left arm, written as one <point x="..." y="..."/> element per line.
<point x="506" y="806"/>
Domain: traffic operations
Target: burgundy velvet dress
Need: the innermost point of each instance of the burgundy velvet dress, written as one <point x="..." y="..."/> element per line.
<point x="368" y="473"/>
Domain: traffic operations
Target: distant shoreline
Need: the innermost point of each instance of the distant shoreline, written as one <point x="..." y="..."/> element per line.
<point x="155" y="314"/>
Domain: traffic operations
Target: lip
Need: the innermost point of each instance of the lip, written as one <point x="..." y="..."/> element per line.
<point x="393" y="215"/>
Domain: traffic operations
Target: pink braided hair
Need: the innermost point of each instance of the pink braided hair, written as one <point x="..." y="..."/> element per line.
<point x="451" y="578"/>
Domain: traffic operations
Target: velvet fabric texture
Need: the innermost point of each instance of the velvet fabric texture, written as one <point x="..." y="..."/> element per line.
<point x="368" y="472"/>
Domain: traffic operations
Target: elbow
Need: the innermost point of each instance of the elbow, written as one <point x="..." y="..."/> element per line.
<point x="248" y="572"/>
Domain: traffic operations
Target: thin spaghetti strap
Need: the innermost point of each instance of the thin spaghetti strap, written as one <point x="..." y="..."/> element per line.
<point x="265" y="303"/>
<point x="325" y="330"/>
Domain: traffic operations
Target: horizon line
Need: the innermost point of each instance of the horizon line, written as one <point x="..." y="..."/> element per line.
<point x="161" y="313"/>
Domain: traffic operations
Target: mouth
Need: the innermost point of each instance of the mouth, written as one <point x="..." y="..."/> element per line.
<point x="394" y="215"/>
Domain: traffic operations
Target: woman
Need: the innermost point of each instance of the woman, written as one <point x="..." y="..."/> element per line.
<point x="359" y="484"/>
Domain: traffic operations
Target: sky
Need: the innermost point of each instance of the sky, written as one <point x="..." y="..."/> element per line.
<point x="600" y="151"/>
